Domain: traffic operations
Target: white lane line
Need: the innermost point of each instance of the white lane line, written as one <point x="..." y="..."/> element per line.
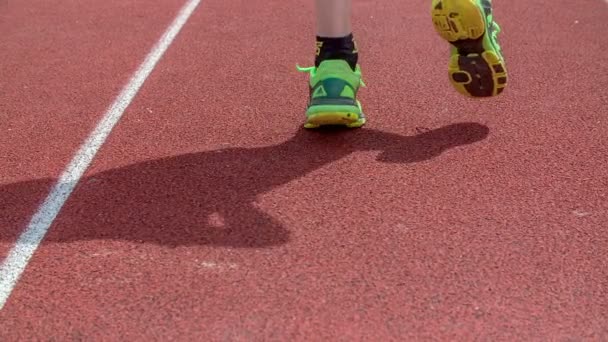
<point x="16" y="262"/>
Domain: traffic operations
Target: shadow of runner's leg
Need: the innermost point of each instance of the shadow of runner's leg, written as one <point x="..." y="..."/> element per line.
<point x="208" y="198"/>
<point x="246" y="226"/>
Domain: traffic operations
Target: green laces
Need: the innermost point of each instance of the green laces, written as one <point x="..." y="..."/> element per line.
<point x="311" y="70"/>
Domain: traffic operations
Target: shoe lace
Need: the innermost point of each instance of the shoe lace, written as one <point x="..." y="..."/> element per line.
<point x="312" y="70"/>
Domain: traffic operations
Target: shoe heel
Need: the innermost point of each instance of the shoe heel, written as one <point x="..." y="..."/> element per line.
<point x="478" y="75"/>
<point x="456" y="20"/>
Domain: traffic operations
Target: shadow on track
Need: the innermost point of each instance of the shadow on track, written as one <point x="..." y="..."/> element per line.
<point x="178" y="200"/>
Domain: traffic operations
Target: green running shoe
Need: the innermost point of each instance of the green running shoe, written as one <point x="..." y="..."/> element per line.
<point x="333" y="100"/>
<point x="477" y="67"/>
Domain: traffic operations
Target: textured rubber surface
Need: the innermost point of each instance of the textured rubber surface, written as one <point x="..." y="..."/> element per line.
<point x="212" y="215"/>
<point x="61" y="65"/>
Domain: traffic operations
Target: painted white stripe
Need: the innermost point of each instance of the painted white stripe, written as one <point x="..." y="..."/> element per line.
<point x="16" y="262"/>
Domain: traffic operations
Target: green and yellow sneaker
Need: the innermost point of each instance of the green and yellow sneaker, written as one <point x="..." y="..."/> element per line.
<point x="477" y="67"/>
<point x="333" y="100"/>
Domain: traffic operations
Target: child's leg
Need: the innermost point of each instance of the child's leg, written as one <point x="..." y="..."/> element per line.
<point x="336" y="77"/>
<point x="333" y="18"/>
<point x="334" y="32"/>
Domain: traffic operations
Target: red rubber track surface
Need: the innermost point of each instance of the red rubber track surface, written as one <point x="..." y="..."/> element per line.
<point x="61" y="65"/>
<point x="210" y="214"/>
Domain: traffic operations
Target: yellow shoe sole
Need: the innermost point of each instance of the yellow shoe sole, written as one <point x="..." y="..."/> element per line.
<point x="351" y="120"/>
<point x="475" y="68"/>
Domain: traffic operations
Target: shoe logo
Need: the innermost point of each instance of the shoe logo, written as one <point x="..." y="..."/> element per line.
<point x="320" y="91"/>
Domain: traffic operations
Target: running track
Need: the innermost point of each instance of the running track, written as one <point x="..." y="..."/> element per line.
<point x="209" y="214"/>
